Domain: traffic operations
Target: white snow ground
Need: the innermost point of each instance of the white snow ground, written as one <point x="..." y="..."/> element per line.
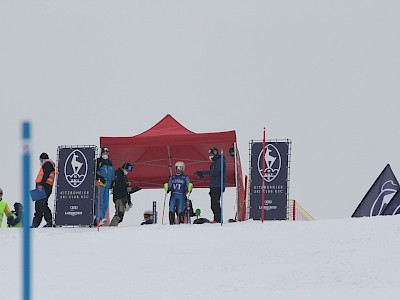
<point x="324" y="259"/>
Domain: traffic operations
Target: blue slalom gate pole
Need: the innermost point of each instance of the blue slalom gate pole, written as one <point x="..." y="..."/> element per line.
<point x="222" y="185"/>
<point x="27" y="211"/>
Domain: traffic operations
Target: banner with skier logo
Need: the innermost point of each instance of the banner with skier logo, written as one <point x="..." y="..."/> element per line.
<point x="379" y="195"/>
<point x="276" y="178"/>
<point x="75" y="185"/>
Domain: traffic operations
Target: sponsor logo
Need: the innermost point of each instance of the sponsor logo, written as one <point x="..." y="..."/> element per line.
<point x="73" y="213"/>
<point x="75" y="168"/>
<point x="273" y="163"/>
<point x="388" y="189"/>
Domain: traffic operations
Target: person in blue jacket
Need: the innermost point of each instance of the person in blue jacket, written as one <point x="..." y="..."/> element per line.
<point x="178" y="185"/>
<point x="216" y="187"/>
<point x="106" y="175"/>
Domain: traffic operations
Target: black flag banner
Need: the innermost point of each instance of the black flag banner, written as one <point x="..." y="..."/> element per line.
<point x="379" y="195"/>
<point x="75" y="185"/>
<point x="276" y="179"/>
<point x="393" y="208"/>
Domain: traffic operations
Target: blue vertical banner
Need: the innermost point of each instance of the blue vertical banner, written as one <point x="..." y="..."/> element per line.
<point x="75" y="185"/>
<point x="26" y="171"/>
<point x="275" y="176"/>
<point x="379" y="195"/>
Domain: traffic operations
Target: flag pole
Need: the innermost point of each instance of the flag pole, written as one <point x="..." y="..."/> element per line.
<point x="26" y="136"/>
<point x="222" y="185"/>
<point x="263" y="179"/>
<point x="98" y="205"/>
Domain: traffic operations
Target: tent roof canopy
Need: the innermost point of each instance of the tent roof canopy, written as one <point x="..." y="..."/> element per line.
<point x="155" y="151"/>
<point x="166" y="126"/>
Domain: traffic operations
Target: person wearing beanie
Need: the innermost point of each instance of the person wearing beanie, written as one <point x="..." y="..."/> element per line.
<point x="44" y="181"/>
<point x="105" y="176"/>
<point x="44" y="156"/>
<point x="16" y="217"/>
<point x="147" y="218"/>
<point x="216" y="186"/>
<point x="4" y="208"/>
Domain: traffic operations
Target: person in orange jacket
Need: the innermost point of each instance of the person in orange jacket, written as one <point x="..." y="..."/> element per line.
<point x="44" y="181"/>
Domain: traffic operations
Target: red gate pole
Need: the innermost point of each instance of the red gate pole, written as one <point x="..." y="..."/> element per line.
<point x="98" y="205"/>
<point x="263" y="179"/>
<point x="244" y="205"/>
<point x="294" y="210"/>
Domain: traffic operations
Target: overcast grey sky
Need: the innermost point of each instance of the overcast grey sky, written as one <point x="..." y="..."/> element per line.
<point x="325" y="74"/>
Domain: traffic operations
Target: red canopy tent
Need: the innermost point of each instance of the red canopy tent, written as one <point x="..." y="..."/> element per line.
<point x="154" y="153"/>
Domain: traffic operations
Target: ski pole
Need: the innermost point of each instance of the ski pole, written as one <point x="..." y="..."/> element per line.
<point x="189" y="204"/>
<point x="98" y="205"/>
<point x="165" y="197"/>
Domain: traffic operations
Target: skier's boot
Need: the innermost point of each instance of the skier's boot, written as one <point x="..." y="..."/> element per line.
<point x="171" y="218"/>
<point x="181" y="218"/>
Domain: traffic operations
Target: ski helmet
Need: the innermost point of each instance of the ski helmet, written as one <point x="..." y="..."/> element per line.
<point x="180" y="167"/>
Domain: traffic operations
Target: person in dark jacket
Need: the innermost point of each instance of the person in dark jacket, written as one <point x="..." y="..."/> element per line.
<point x="16" y="217"/>
<point x="147" y="218"/>
<point x="121" y="194"/>
<point x="216" y="186"/>
<point x="44" y="181"/>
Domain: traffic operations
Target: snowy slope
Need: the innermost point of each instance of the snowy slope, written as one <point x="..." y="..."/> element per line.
<point x="329" y="259"/>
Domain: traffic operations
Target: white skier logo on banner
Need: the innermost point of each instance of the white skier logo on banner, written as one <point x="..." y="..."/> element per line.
<point x="75" y="168"/>
<point x="388" y="190"/>
<point x="273" y="163"/>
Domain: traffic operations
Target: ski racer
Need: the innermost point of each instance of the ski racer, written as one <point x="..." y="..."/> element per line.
<point x="178" y="185"/>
